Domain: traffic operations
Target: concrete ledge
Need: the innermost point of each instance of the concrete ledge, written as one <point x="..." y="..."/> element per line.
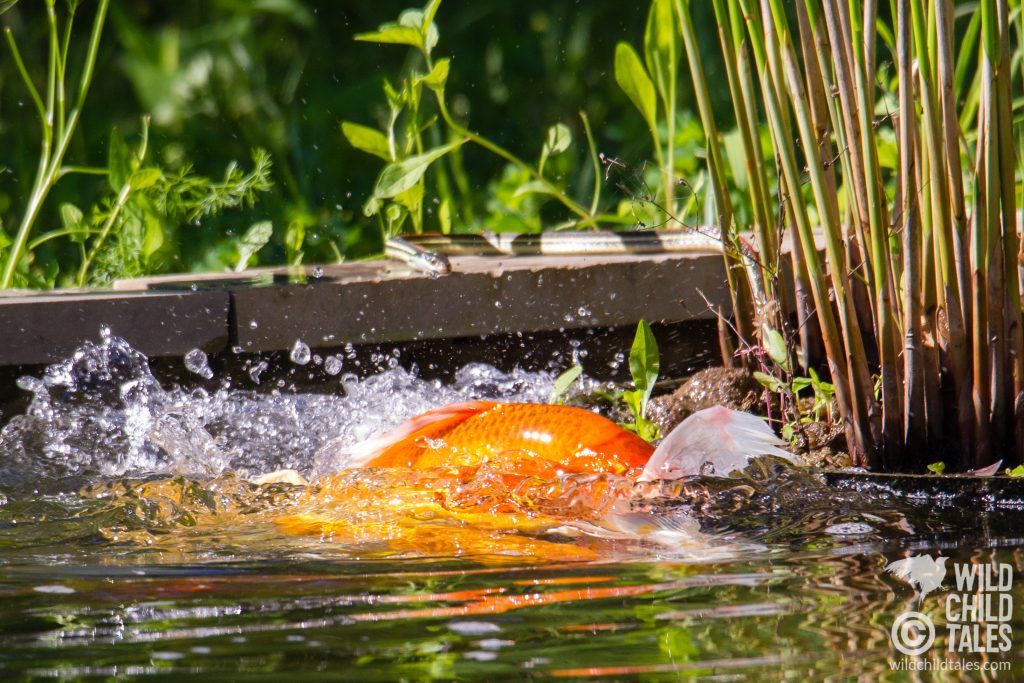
<point x="46" y="328"/>
<point x="482" y="296"/>
<point x="377" y="302"/>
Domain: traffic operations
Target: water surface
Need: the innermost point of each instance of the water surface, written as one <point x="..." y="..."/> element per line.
<point x="132" y="545"/>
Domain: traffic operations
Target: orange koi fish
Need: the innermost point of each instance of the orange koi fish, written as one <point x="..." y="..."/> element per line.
<point x="489" y="478"/>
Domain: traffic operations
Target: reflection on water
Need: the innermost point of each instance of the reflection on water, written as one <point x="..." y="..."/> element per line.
<point x="133" y="543"/>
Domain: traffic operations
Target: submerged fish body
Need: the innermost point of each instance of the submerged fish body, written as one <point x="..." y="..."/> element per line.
<point x="490" y="479"/>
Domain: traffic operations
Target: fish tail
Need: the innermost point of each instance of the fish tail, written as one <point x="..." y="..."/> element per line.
<point x="727" y="439"/>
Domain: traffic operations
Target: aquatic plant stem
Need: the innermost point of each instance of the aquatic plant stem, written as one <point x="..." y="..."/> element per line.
<point x="61" y="131"/>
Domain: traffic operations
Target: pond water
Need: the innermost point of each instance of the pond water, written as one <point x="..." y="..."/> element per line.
<point x="132" y="544"/>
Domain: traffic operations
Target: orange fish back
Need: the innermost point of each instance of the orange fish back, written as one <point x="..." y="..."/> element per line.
<point x="571" y="439"/>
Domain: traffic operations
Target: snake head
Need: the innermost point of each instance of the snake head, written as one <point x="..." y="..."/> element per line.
<point x="432" y="262"/>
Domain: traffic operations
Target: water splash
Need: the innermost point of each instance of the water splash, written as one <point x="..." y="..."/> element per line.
<point x="102" y="414"/>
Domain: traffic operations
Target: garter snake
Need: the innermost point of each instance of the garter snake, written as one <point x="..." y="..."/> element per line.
<point x="429" y="252"/>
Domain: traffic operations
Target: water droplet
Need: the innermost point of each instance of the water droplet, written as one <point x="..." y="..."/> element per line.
<point x="257" y="370"/>
<point x="105" y="332"/>
<point x="56" y="589"/>
<point x="318" y="272"/>
<point x="333" y="365"/>
<point x="253" y="325"/>
<point x="300" y="353"/>
<point x="197" y="363"/>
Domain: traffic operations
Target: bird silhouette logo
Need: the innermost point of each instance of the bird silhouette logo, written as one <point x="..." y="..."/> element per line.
<point x="922" y="571"/>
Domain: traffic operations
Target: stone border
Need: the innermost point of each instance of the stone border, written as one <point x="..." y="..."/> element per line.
<point x="365" y="303"/>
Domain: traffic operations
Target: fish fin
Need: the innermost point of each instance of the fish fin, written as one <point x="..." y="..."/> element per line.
<point x="427" y="425"/>
<point x="670" y="529"/>
<point x="727" y="439"/>
<point x="989" y="471"/>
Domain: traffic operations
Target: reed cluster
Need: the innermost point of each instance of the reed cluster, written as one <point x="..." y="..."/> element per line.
<point x="905" y="275"/>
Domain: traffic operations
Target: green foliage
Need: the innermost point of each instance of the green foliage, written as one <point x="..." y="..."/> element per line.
<point x="402" y="187"/>
<point x="937" y="468"/>
<point x="563" y="382"/>
<point x="644" y="363"/>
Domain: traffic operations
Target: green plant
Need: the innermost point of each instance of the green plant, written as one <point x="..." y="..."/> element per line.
<point x="563" y="382"/>
<point x="644" y="363"/>
<point x="937" y="468"/>
<point x="58" y="117"/>
<point x="919" y="286"/>
<point x="130" y="231"/>
<point x="417" y="138"/>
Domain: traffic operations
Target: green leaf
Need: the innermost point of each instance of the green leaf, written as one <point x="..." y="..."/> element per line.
<point x="634" y="81"/>
<point x="154" y="238"/>
<point x="770" y="383"/>
<point x="393" y="34"/>
<point x="416" y="18"/>
<point x="366" y="139"/>
<point x="254" y="239"/>
<point x="644" y="363"/>
<point x="400" y="176"/>
<point x="144" y="178"/>
<point x="294" y="237"/>
<point x="438" y="76"/>
<point x="558" y="140"/>
<point x="801" y="383"/>
<point x="71" y="217"/>
<point x="660" y="45"/>
<point x="119" y="161"/>
<point x="6" y="5"/>
<point x="430" y="11"/>
<point x="564" y="381"/>
<point x="444" y="216"/>
<point x="775" y="345"/>
<point x="1017" y="471"/>
<point x="372" y="207"/>
<point x="937" y="467"/>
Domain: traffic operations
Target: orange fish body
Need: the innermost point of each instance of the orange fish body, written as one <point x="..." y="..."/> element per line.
<point x="473" y="478"/>
<point x="564" y="439"/>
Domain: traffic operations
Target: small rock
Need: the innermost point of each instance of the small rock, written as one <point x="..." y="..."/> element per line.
<point x="733" y="388"/>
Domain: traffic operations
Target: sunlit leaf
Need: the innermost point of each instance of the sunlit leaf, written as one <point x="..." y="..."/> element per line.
<point x="254" y="239"/>
<point x="438" y="76"/>
<point x="937" y="467"/>
<point x="71" y="217"/>
<point x="366" y="139"/>
<point x="775" y="345"/>
<point x="444" y="216"/>
<point x="393" y="34"/>
<point x="400" y="176"/>
<point x="6" y="5"/>
<point x="119" y="161"/>
<point x="660" y="45"/>
<point x="634" y="81"/>
<point x="558" y="140"/>
<point x="564" y="381"/>
<point x="644" y="363"/>
<point x="144" y="178"/>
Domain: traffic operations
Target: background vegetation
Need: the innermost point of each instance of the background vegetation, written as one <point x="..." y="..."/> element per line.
<point x="222" y="78"/>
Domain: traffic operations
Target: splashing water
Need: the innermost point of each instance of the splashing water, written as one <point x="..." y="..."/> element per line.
<point x="102" y="414"/>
